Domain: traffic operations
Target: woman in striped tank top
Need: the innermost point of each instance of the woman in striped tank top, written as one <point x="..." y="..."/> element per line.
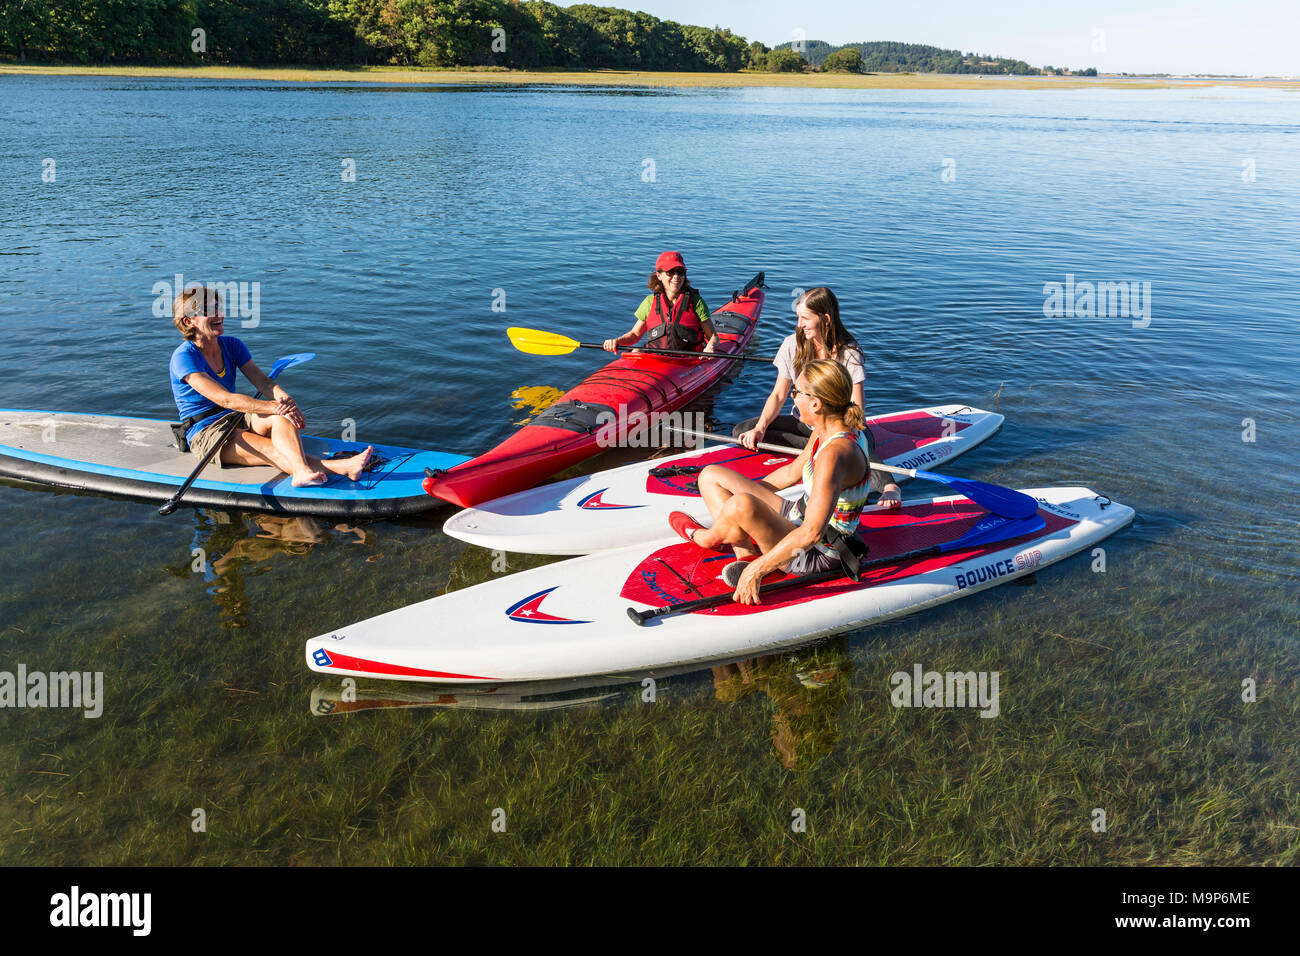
<point x="799" y="537"/>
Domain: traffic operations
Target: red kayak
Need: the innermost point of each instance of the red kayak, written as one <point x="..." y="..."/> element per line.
<point x="570" y="431"/>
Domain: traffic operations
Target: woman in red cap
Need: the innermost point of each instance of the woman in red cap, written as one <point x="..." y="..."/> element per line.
<point x="674" y="312"/>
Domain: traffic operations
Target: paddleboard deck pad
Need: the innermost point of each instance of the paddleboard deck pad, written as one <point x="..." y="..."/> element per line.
<point x="137" y="458"/>
<point x="630" y="505"/>
<point x="570" y="619"/>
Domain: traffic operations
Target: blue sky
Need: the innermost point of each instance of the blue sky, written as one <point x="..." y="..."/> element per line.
<point x="1249" y="37"/>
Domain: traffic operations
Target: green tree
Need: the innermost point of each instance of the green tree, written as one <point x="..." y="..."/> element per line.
<point x="784" y="61"/>
<point x="570" y="41"/>
<point x="26" y="26"/>
<point x="845" y="60"/>
<point x="104" y="31"/>
<point x="375" y="23"/>
<point x="711" y="50"/>
<point x="627" y="41"/>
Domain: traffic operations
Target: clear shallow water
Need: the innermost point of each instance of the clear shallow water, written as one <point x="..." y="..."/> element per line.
<point x="540" y="192"/>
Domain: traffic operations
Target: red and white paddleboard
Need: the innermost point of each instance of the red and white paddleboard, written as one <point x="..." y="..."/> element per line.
<point x="630" y="505"/>
<point x="570" y="619"/>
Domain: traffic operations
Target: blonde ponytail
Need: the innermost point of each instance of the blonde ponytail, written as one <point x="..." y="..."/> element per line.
<point x="829" y="381"/>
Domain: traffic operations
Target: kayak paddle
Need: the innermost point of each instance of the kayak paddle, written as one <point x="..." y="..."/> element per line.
<point x="289" y="361"/>
<point x="991" y="529"/>
<point x="537" y="342"/>
<point x="1001" y="501"/>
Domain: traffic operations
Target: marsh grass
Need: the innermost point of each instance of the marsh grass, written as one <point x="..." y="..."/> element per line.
<point x="877" y="81"/>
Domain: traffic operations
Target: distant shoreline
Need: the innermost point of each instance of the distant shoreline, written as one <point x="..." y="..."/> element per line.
<point x="881" y="81"/>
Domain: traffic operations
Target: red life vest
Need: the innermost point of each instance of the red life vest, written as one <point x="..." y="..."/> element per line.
<point x="675" y="325"/>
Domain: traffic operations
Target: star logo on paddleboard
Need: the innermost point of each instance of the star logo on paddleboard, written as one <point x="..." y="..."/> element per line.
<point x="529" y="611"/>
<point x="593" y="502"/>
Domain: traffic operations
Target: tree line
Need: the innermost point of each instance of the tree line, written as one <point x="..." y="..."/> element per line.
<point x="516" y="34"/>
<point x="890" y="57"/>
<point x="430" y="33"/>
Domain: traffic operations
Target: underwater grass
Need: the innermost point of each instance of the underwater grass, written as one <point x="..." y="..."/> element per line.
<point x="1119" y="691"/>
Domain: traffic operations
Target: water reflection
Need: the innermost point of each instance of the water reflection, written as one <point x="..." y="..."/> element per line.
<point x="228" y="547"/>
<point x="807" y="689"/>
<point x="347" y="698"/>
<point x="534" y="399"/>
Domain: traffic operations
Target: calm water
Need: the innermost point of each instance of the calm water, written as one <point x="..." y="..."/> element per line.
<point x="937" y="217"/>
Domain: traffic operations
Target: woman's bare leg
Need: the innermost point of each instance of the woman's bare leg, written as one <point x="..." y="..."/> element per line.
<point x="281" y="447"/>
<point x="288" y="446"/>
<point x="718" y="484"/>
<point x="745" y="520"/>
<point x="288" y="442"/>
<point x="276" y="442"/>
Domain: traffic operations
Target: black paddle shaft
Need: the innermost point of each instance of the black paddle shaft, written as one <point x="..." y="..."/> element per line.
<point x="733" y="356"/>
<point x="170" y="505"/>
<point x="235" y="417"/>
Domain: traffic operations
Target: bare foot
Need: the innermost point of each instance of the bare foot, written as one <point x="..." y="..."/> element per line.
<point x="357" y="463"/>
<point x="350" y="468"/>
<point x="309" y="479"/>
<point x="891" y="498"/>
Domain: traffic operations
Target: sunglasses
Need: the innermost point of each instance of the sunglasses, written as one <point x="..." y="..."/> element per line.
<point x="673" y="272"/>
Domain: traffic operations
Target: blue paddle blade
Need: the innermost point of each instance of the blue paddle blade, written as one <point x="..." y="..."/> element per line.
<point x="995" y="528"/>
<point x="1006" y="502"/>
<point x="289" y="361"/>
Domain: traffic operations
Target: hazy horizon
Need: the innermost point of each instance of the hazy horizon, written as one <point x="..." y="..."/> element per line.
<point x="1250" y="38"/>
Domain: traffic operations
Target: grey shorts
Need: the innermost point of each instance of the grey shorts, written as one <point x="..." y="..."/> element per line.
<point x="811" y="561"/>
<point x="204" y="440"/>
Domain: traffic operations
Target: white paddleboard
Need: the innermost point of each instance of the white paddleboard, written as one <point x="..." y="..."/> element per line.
<point x="570" y="619"/>
<point x="630" y="505"/>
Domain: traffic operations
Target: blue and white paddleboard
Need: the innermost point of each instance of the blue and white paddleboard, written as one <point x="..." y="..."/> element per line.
<point x="137" y="458"/>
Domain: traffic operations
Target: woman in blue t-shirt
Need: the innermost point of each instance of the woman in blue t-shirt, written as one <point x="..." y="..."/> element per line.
<point x="203" y="382"/>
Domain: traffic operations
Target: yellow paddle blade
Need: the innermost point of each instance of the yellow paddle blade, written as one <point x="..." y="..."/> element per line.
<point x="536" y="342"/>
